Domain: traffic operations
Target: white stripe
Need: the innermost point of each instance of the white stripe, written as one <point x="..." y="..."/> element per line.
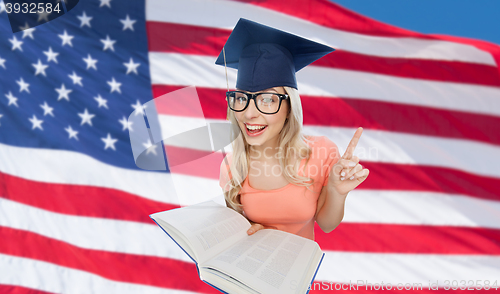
<point x="421" y="208"/>
<point x="201" y="71"/>
<point x="52" y="278"/>
<point x="407" y="268"/>
<point x="225" y="15"/>
<point x="91" y="233"/>
<point x="69" y="167"/>
<point x="399" y="148"/>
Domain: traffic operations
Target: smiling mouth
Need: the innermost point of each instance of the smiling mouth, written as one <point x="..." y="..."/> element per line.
<point x="255" y="129"/>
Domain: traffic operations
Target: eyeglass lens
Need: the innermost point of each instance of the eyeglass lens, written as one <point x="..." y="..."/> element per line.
<point x="265" y="102"/>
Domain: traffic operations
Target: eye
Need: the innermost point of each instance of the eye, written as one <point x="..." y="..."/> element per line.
<point x="269" y="98"/>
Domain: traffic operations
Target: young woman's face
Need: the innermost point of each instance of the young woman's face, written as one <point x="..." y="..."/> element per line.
<point x="273" y="123"/>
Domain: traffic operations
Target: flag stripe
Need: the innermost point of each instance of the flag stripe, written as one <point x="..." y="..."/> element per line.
<point x="331" y="15"/>
<point x="352" y="112"/>
<point x="365" y="213"/>
<point x="46" y="276"/>
<point x="197" y="70"/>
<point x="409" y="150"/>
<point x="410" y="239"/>
<point x="407" y="268"/>
<point x="139" y="269"/>
<point x="92" y="233"/>
<point x="224" y="14"/>
<point x="11" y="289"/>
<point x="199" y="40"/>
<point x="30" y="161"/>
<point x="81" y="200"/>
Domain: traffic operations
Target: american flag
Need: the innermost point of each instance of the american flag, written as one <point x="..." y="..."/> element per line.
<point x="74" y="207"/>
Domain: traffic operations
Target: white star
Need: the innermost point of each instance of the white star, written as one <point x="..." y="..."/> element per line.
<point x="51" y="55"/>
<point x="150" y="148"/>
<point x="138" y="106"/>
<point x="105" y="2"/>
<point x="47" y="109"/>
<point x="66" y="39"/>
<point x="2" y="7"/>
<point x="43" y="16"/>
<point x="63" y="93"/>
<point x="85" y="20"/>
<point x="102" y="102"/>
<point x="2" y="62"/>
<point x="1" y="114"/>
<point x="72" y="133"/>
<point x="115" y="86"/>
<point x="127" y="125"/>
<point x="24" y="86"/>
<point x="131" y="66"/>
<point x="16" y="44"/>
<point x="76" y="79"/>
<point x="90" y="62"/>
<point x="108" y="43"/>
<point x="109" y="142"/>
<point x="27" y="31"/>
<point x="40" y="68"/>
<point x="36" y="123"/>
<point x="86" y="117"/>
<point x="12" y="99"/>
<point x="128" y="23"/>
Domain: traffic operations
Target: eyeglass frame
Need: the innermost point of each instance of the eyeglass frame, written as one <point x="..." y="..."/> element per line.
<point x="254" y="97"/>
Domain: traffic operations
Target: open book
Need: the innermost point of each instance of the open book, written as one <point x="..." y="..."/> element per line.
<point x="215" y="237"/>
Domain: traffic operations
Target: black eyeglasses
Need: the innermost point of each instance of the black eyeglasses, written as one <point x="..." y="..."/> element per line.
<point x="266" y="102"/>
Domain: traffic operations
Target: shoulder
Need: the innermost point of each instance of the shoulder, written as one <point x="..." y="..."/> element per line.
<point x="322" y="146"/>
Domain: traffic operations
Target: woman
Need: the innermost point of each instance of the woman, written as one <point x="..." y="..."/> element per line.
<point x="276" y="176"/>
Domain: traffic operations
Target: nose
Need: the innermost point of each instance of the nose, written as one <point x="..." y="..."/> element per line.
<point x="251" y="111"/>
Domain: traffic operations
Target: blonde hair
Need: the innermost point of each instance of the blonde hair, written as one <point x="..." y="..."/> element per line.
<point x="290" y="140"/>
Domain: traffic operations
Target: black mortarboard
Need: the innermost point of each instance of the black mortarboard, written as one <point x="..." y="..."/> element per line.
<point x="266" y="57"/>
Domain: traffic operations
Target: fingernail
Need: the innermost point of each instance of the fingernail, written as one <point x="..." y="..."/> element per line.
<point x="351" y="163"/>
<point x="342" y="174"/>
<point x="342" y="178"/>
<point x="351" y="178"/>
<point x="250" y="231"/>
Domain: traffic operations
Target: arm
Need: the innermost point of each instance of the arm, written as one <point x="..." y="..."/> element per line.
<point x="345" y="175"/>
<point x="330" y="211"/>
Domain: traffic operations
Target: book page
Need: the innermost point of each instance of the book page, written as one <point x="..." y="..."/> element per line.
<point x="209" y="227"/>
<point x="269" y="261"/>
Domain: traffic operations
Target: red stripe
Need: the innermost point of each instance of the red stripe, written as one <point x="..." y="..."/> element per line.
<point x="198" y="40"/>
<point x="138" y="269"/>
<point x="374" y="115"/>
<point x="331" y="15"/>
<point x="11" y="289"/>
<point x="421" y="239"/>
<point x="80" y="200"/>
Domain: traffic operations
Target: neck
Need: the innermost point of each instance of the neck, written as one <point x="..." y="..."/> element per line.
<point x="266" y="151"/>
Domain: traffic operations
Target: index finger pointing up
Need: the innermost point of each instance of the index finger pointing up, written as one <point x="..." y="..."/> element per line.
<point x="352" y="145"/>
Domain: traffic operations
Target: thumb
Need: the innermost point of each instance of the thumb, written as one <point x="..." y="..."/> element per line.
<point x="254" y="228"/>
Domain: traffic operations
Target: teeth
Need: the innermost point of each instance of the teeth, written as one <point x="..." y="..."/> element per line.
<point x="255" y="128"/>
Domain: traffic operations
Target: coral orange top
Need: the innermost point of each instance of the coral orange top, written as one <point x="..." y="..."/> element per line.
<point x="291" y="208"/>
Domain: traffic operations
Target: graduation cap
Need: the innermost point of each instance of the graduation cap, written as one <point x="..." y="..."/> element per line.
<point x="266" y="57"/>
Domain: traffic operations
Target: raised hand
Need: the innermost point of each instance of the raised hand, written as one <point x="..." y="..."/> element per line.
<point x="347" y="173"/>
